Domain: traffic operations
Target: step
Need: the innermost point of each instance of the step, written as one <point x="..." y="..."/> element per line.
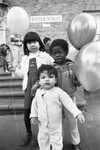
<point x="11" y="86"/>
<point x="11" y="106"/>
<point x="7" y="78"/>
<point x="10" y="89"/>
<point x="10" y="95"/>
<point x="5" y="74"/>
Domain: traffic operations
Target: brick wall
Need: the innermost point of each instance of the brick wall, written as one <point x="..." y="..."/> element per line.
<point x="67" y="8"/>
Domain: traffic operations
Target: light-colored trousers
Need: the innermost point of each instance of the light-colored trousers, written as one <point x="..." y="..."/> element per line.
<point x="72" y="126"/>
<point x="48" y="137"/>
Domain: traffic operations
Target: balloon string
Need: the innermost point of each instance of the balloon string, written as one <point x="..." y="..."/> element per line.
<point x="11" y="103"/>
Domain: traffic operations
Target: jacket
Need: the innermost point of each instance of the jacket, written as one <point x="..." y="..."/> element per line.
<point x="47" y="106"/>
<point x="41" y="58"/>
<point x="67" y="79"/>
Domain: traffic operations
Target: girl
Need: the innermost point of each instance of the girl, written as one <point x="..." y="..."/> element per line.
<point x="34" y="57"/>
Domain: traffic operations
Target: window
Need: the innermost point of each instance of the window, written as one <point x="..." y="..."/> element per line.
<point x="96" y="15"/>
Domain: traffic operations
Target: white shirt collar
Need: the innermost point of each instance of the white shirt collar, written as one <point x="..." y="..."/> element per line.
<point x="32" y="55"/>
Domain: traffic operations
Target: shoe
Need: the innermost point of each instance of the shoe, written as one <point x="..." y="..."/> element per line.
<point x="26" y="140"/>
<point x="76" y="147"/>
<point x="34" y="142"/>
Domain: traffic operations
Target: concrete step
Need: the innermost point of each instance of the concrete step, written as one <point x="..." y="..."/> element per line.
<point x="9" y="79"/>
<point x="11" y="86"/>
<point x="5" y="74"/>
<point x="11" y="106"/>
<point x="12" y="94"/>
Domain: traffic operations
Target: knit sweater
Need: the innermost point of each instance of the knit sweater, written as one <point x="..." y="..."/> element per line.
<point x="47" y="106"/>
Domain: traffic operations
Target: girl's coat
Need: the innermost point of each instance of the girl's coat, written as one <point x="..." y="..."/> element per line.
<point x="41" y="58"/>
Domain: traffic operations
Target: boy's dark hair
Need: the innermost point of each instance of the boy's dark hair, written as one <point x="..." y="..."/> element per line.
<point x="49" y="68"/>
<point x="46" y="39"/>
<point x="59" y="42"/>
<point x="32" y="37"/>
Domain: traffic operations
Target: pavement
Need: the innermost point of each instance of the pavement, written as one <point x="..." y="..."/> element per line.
<point x="12" y="128"/>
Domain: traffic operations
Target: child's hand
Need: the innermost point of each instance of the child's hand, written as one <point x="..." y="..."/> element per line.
<point x="11" y="68"/>
<point x="34" y="121"/>
<point x="34" y="88"/>
<point x="81" y="118"/>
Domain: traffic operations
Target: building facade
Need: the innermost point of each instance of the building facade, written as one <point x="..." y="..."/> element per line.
<point x="67" y="9"/>
<point x="47" y="17"/>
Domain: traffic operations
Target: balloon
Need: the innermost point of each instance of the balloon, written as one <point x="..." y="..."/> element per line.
<point x="82" y="30"/>
<point x="87" y="66"/>
<point x="17" y="20"/>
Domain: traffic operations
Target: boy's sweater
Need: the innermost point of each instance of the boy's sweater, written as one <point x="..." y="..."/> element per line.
<point x="47" y="106"/>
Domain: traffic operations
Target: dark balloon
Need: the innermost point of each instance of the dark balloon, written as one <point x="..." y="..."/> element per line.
<point x="82" y="30"/>
<point x="87" y="66"/>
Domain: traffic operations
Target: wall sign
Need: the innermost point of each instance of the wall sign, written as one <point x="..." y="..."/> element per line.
<point x="49" y="18"/>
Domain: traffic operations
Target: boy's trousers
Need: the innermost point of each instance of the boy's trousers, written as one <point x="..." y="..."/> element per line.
<point x="72" y="126"/>
<point x="50" y="136"/>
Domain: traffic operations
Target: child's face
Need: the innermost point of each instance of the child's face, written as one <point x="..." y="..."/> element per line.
<point x="59" y="55"/>
<point x="47" y="44"/>
<point x="47" y="81"/>
<point x="33" y="46"/>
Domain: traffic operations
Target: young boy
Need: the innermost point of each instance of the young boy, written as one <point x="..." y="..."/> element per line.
<point x="68" y="82"/>
<point x="46" y="109"/>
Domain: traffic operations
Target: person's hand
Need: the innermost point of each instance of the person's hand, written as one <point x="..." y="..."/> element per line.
<point x="34" y="121"/>
<point x="34" y="88"/>
<point x="81" y="118"/>
<point x="11" y="68"/>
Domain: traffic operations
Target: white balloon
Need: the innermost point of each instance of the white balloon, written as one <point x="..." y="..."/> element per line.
<point x="18" y="20"/>
<point x="87" y="66"/>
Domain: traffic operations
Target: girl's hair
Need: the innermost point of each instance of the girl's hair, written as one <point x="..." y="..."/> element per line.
<point x="49" y="68"/>
<point x="32" y="37"/>
<point x="59" y="42"/>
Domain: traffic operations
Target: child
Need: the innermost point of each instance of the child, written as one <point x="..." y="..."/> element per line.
<point x="47" y="42"/>
<point x="4" y="50"/>
<point x="33" y="59"/>
<point x="46" y="109"/>
<point x="68" y="82"/>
